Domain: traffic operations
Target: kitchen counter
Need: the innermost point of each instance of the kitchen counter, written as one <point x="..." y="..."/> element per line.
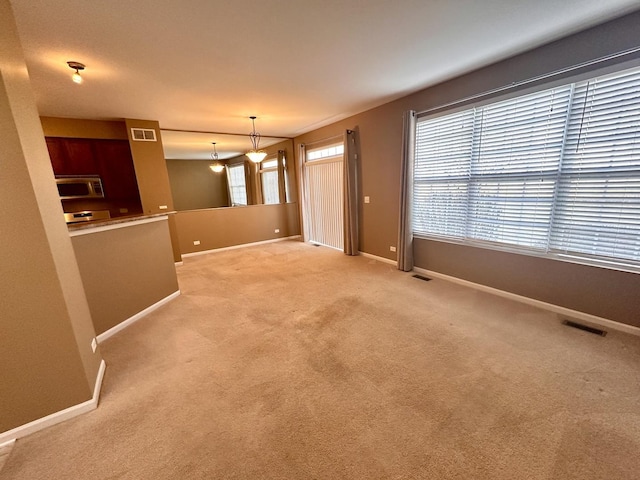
<point x="83" y="228"/>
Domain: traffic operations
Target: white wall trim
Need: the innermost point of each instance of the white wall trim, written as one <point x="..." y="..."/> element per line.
<point x="120" y="224"/>
<point x="22" y="431"/>
<point x="7" y="444"/>
<point x="131" y="320"/>
<point x="179" y="263"/>
<point x="242" y="245"/>
<point x="586" y="317"/>
<point x="380" y="259"/>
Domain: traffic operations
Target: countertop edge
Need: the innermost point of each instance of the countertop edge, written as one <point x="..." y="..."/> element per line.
<point x="114" y="223"/>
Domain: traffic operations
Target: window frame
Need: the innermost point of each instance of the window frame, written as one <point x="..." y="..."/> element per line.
<point x="230" y="185"/>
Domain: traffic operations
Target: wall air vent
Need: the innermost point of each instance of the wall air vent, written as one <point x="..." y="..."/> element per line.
<point x="421" y="277"/>
<point x="143" y="134"/>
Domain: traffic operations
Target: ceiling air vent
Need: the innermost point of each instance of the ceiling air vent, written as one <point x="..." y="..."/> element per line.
<point x="143" y="134"/>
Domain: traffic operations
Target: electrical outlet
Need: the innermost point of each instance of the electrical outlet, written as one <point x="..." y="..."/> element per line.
<point x="162" y="207"/>
<point x="196" y="242"/>
<point x="94" y="344"/>
<point x="392" y="248"/>
<point x="277" y="230"/>
<point x="367" y="200"/>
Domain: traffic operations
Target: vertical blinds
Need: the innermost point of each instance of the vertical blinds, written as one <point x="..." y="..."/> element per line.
<point x="555" y="172"/>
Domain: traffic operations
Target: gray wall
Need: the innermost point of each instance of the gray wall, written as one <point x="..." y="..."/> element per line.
<point x="597" y="291"/>
<point x="194" y="185"/>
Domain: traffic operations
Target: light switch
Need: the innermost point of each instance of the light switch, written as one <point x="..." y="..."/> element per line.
<point x="367" y="200"/>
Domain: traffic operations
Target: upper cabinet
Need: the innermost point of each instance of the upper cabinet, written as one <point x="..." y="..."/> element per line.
<point x="116" y="169"/>
<point x="72" y="156"/>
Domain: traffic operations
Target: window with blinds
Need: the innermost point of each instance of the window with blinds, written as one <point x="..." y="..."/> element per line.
<point x="269" y="181"/>
<point x="553" y="173"/>
<point x="237" y="185"/>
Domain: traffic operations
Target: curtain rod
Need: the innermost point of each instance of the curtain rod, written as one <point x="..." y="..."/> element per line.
<point x="532" y="80"/>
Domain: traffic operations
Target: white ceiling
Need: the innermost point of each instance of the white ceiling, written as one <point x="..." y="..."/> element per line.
<point x="207" y="65"/>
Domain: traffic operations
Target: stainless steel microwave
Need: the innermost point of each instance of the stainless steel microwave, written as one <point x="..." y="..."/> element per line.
<point x="70" y="187"/>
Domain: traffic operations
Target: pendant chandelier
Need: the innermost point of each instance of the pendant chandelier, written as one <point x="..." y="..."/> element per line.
<point x="216" y="166"/>
<point x="255" y="154"/>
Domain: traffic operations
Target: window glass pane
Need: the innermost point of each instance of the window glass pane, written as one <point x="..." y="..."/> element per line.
<point x="324" y="152"/>
<point x="271" y="163"/>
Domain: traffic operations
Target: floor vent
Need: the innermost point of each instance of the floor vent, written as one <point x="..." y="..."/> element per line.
<point x="421" y="277"/>
<point x="579" y="326"/>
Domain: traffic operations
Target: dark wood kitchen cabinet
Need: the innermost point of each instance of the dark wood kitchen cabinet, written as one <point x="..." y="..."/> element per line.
<point x="72" y="156"/>
<point x="116" y="169"/>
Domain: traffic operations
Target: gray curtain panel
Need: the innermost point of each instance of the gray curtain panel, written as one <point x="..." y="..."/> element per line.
<point x="405" y="230"/>
<point x="351" y="243"/>
<point x="282" y="190"/>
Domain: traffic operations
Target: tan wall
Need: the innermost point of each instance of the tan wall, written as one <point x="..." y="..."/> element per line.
<point x="125" y="270"/>
<point x="46" y="361"/>
<point x="194" y="185"/>
<point x="380" y="132"/>
<point x="151" y="169"/>
<point x="80" y="128"/>
<point x="224" y="227"/>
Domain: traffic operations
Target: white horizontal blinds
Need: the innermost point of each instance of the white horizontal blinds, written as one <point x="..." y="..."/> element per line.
<point x="598" y="210"/>
<point x="489" y="173"/>
<point x="523" y="135"/>
<point x="514" y="167"/>
<point x="441" y="174"/>
<point x="556" y="172"/>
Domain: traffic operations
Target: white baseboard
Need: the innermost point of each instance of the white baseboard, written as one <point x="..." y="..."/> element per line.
<point x="179" y="263"/>
<point x="380" y="259"/>
<point x="242" y="245"/>
<point x="586" y="317"/>
<point x="131" y="320"/>
<point x="10" y="436"/>
<point x="7" y="444"/>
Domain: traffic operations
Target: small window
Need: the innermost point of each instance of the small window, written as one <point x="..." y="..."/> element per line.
<point x="313" y="155"/>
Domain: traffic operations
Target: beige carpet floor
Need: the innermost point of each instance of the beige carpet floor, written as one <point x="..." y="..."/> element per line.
<point x="287" y="361"/>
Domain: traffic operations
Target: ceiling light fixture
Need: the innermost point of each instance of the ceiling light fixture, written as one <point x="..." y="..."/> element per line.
<point x="216" y="166"/>
<point x="255" y="154"/>
<point x="77" y="66"/>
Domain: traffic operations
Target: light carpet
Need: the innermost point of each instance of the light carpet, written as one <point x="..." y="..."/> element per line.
<point x="287" y="361"/>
